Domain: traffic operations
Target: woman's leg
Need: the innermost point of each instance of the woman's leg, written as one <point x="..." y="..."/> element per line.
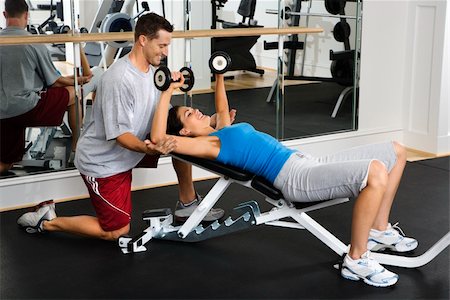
<point x="366" y="208"/>
<point x="394" y="177"/>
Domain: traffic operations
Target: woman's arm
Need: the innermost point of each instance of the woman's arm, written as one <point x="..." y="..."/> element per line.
<point x="222" y="107"/>
<point x="159" y="123"/>
<point x="199" y="146"/>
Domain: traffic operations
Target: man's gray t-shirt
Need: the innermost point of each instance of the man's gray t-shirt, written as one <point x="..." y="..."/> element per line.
<point x="25" y="70"/>
<point x="125" y="102"/>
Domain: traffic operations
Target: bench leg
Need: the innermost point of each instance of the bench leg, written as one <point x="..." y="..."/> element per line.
<point x="207" y="203"/>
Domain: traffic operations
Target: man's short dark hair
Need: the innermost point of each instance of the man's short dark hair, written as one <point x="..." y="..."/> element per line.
<point x="149" y="25"/>
<point x="15" y="8"/>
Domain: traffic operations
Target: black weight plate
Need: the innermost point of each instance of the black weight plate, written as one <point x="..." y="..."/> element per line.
<point x="341" y="31"/>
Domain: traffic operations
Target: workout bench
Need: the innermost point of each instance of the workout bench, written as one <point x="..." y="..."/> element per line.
<point x="160" y="220"/>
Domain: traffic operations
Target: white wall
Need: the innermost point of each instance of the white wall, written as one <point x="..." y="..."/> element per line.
<point x="2" y="18"/>
<point x="426" y="77"/>
<point x="389" y="87"/>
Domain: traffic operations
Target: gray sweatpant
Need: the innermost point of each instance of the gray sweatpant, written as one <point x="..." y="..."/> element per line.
<point x="304" y="178"/>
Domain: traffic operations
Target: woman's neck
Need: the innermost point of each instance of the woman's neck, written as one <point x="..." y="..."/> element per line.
<point x="205" y="131"/>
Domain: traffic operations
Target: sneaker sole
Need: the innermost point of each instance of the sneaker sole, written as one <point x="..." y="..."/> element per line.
<point x="351" y="276"/>
<point x="382" y="247"/>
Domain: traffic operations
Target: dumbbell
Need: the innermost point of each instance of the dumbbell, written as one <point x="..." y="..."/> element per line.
<point x="220" y="62"/>
<point x="163" y="78"/>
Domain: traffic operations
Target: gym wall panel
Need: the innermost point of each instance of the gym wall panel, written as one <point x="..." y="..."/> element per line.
<point x="383" y="48"/>
<point x="425" y="126"/>
<point x="421" y="77"/>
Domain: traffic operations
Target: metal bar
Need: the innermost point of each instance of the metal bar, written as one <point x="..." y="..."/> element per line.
<point x="320" y="232"/>
<point x="414" y="262"/>
<point x="293" y="13"/>
<point x="129" y="36"/>
<point x="207" y="203"/>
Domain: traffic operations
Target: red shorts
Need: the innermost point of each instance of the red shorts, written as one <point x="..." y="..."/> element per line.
<point x="111" y="198"/>
<point x="49" y="111"/>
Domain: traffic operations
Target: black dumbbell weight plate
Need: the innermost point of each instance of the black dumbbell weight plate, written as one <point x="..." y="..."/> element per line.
<point x="162" y="78"/>
<point x="188" y="79"/>
<point x="220" y="62"/>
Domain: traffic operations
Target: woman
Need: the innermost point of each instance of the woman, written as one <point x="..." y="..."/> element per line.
<point x="371" y="174"/>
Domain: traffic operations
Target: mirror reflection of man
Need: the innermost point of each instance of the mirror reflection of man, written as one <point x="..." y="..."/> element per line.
<point x="33" y="93"/>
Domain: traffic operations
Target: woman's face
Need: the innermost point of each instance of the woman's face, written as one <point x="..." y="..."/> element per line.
<point x="193" y="120"/>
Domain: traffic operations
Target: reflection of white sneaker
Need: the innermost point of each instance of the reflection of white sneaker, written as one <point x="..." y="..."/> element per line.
<point x="367" y="269"/>
<point x="392" y="238"/>
<point x="32" y="221"/>
<point x="183" y="211"/>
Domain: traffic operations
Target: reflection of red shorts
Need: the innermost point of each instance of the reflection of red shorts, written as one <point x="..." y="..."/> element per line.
<point x="49" y="111"/>
<point x="111" y="198"/>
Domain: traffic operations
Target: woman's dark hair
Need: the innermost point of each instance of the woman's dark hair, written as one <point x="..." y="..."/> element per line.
<point x="15" y="8"/>
<point x="149" y="25"/>
<point x="174" y="124"/>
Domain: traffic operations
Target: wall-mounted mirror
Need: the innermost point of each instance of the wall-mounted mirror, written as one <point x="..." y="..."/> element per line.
<point x="40" y="118"/>
<point x="319" y="72"/>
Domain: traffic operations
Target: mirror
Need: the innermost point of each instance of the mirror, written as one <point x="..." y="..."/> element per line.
<point x="46" y="131"/>
<point x="319" y="87"/>
<point x="320" y="70"/>
<point x="306" y="91"/>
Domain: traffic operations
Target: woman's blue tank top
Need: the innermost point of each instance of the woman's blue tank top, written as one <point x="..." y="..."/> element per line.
<point x="257" y="152"/>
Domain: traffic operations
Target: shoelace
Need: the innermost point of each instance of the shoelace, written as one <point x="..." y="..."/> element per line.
<point x="396" y="227"/>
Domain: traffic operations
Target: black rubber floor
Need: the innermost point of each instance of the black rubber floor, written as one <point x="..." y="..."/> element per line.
<point x="262" y="263"/>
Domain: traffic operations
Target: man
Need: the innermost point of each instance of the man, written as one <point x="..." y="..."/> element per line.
<point x="113" y="142"/>
<point x="32" y="91"/>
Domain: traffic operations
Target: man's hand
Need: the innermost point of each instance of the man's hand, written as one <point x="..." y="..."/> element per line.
<point x="213" y="120"/>
<point x="84" y="79"/>
<point x="165" y="146"/>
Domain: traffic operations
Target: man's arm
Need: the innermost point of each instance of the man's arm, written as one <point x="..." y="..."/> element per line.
<point x="133" y="143"/>
<point x="70" y="80"/>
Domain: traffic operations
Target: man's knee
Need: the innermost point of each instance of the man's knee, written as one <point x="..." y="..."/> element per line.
<point x="71" y="91"/>
<point x="4" y="167"/>
<point x="116" y="234"/>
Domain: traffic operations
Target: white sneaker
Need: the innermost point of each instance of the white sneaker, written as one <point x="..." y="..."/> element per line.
<point x="367" y="269"/>
<point x="392" y="238"/>
<point x="32" y="221"/>
<point x="183" y="211"/>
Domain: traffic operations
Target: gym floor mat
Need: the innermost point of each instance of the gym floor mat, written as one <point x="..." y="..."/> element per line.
<point x="262" y="263"/>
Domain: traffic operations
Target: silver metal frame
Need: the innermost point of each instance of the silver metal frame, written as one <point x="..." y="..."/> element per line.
<point x="160" y="227"/>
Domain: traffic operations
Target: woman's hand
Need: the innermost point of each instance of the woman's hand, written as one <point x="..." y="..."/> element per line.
<point x="213" y="120"/>
<point x="176" y="75"/>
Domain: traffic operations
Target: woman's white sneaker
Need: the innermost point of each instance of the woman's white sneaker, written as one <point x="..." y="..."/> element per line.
<point x="32" y="221"/>
<point x="367" y="269"/>
<point x="392" y="238"/>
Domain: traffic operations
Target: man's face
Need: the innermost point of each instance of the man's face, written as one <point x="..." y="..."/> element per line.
<point x="157" y="49"/>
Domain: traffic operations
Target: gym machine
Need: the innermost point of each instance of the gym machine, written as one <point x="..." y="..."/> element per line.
<point x="237" y="47"/>
<point x="112" y="16"/>
<point x="342" y="62"/>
